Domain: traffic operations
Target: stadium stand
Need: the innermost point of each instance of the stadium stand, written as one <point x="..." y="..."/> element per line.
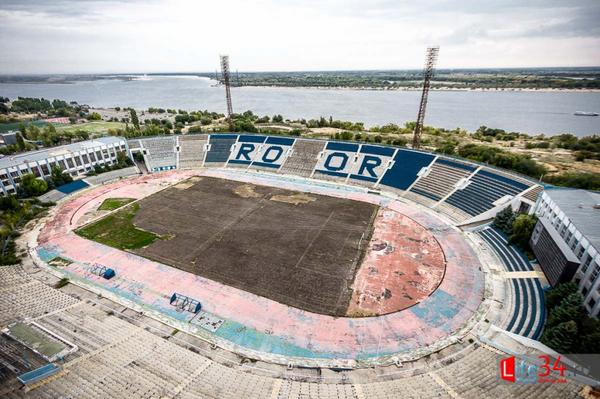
<point x="485" y="188"/>
<point x="529" y="313"/>
<point x="159" y="153"/>
<point x="22" y="297"/>
<point x="220" y="148"/>
<point x="303" y="158"/>
<point x="335" y="162"/>
<point x="371" y="162"/>
<point x="442" y="179"/>
<point x="192" y="151"/>
<point x="407" y="164"/>
<point x="244" y="151"/>
<point x="276" y="150"/>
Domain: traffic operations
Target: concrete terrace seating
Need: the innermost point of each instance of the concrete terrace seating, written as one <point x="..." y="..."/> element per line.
<point x="511" y="256"/>
<point x="119" y="356"/>
<point x="529" y="312"/>
<point x="22" y="297"/>
<point x="192" y="151"/>
<point x="443" y="176"/>
<point x="160" y="153"/>
<point x="220" y="148"/>
<point x="476" y="376"/>
<point x="485" y="188"/>
<point x="303" y="158"/>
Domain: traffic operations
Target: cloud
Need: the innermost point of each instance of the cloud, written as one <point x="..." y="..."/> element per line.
<point x="181" y="35"/>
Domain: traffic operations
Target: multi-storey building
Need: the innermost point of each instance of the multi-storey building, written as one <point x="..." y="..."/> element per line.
<point x="566" y="240"/>
<point x="75" y="159"/>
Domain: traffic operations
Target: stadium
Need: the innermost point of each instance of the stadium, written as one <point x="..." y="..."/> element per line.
<point x="252" y="266"/>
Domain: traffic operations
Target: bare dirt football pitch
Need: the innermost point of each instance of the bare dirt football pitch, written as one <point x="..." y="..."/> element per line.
<point x="299" y="249"/>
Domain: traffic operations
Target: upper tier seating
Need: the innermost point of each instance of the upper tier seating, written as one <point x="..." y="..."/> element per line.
<point x="268" y="152"/>
<point x="443" y="176"/>
<point x="160" y="153"/>
<point x="192" y="150"/>
<point x="458" y="189"/>
<point x="220" y="148"/>
<point x="486" y="187"/>
<point x="244" y="158"/>
<point x="333" y="152"/>
<point x="303" y="158"/>
<point x="407" y="164"/>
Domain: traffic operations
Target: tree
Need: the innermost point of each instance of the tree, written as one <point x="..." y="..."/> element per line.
<point x="58" y="177"/>
<point x="32" y="186"/>
<point x="555" y="296"/>
<point x="94" y="116"/>
<point x="134" y="118"/>
<point x="9" y="203"/>
<point x="504" y="220"/>
<point x="562" y="338"/>
<point x="570" y="308"/>
<point x="522" y="228"/>
<point x="20" y="141"/>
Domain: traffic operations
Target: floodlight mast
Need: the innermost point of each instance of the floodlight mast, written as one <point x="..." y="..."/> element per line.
<point x="226" y="81"/>
<point x="428" y="71"/>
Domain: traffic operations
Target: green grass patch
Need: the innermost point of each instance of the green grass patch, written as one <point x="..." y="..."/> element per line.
<point x="117" y="230"/>
<point x="93" y="128"/>
<point x="110" y="204"/>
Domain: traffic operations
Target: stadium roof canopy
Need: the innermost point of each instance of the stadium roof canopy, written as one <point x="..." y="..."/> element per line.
<point x="32" y="156"/>
<point x="582" y="207"/>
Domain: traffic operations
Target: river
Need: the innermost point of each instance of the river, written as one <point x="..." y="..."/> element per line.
<point x="549" y="113"/>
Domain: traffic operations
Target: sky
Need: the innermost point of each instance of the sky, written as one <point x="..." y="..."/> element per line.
<point x="98" y="36"/>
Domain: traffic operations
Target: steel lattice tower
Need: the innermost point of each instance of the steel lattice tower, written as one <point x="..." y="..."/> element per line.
<point x="226" y="82"/>
<point x="431" y="58"/>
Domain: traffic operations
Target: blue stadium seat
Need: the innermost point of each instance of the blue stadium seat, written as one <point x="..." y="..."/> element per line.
<point x="220" y="147"/>
<point x="485" y="188"/>
<point x="407" y="164"/>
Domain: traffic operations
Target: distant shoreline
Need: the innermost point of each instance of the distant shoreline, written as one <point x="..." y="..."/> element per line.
<point x="478" y="89"/>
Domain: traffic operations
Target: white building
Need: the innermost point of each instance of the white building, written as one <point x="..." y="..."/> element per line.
<point x="75" y="159"/>
<point x="573" y="216"/>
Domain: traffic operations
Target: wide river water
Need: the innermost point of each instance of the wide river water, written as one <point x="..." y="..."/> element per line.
<point x="549" y="113"/>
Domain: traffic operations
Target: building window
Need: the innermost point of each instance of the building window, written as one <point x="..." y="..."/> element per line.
<point x="594" y="273"/>
<point x="591" y="303"/>
<point x="584" y="291"/>
<point x="586" y="264"/>
<point x="580" y="252"/>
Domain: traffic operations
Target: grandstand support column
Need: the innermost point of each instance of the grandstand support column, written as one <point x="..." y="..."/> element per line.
<point x="428" y="71"/>
<point x="226" y="81"/>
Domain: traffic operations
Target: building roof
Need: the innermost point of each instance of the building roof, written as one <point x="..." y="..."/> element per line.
<point x="579" y="205"/>
<point x="18" y="159"/>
